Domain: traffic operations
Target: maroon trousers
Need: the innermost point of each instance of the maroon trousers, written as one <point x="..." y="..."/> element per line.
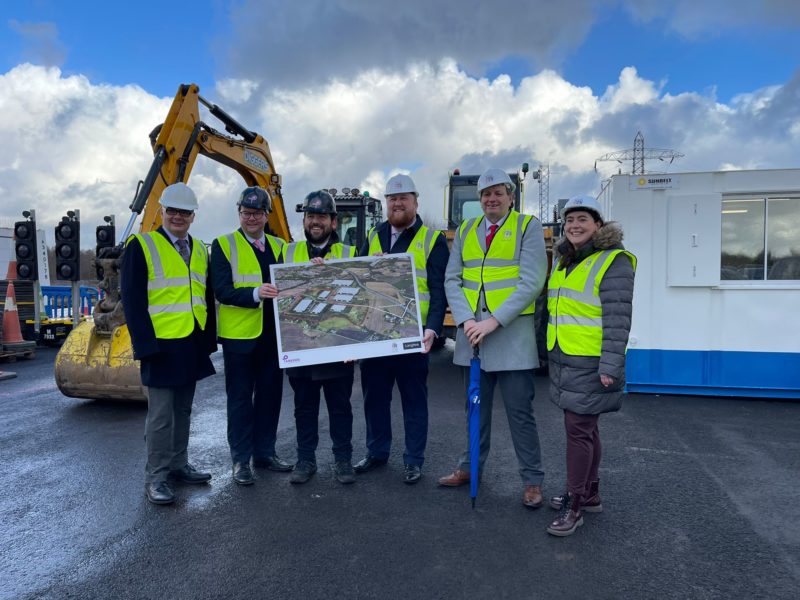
<point x="583" y="452"/>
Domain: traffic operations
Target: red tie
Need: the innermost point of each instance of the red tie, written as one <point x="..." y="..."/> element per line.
<point x="259" y="244"/>
<point x="490" y="235"/>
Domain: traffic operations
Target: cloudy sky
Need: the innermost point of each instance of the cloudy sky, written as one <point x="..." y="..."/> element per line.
<point x="348" y="93"/>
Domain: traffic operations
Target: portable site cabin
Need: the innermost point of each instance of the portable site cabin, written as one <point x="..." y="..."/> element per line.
<point x="716" y="307"/>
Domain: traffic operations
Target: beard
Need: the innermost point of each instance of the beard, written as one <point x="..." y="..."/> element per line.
<point x="318" y="238"/>
<point x="401" y="220"/>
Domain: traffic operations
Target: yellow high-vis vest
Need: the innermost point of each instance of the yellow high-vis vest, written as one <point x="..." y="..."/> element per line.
<point x="420" y="247"/>
<point x="237" y="322"/>
<point x="176" y="294"/>
<point x="573" y="301"/>
<point x="496" y="272"/>
<point x="297" y="252"/>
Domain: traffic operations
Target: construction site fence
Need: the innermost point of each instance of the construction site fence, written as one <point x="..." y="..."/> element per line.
<point x="58" y="300"/>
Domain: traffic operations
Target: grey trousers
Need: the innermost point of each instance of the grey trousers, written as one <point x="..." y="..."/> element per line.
<point x="518" y="391"/>
<point x="166" y="430"/>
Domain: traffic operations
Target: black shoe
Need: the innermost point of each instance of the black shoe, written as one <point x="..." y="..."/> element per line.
<point x="159" y="492"/>
<point x="273" y="463"/>
<point x="303" y="471"/>
<point x="188" y="474"/>
<point x="344" y="472"/>
<point x="368" y="463"/>
<point x="412" y="474"/>
<point x="243" y="474"/>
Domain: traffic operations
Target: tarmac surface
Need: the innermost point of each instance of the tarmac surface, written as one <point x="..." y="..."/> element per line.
<point x="700" y="498"/>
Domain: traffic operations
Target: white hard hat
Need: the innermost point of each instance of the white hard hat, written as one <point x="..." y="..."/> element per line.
<point x="178" y="195"/>
<point x="587" y="203"/>
<point x="492" y="177"/>
<point x="400" y="184"/>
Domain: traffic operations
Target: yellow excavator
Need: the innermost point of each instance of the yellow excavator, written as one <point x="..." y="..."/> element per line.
<point x="96" y="360"/>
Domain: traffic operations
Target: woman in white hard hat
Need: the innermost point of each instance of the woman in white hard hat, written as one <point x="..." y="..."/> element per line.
<point x="589" y="299"/>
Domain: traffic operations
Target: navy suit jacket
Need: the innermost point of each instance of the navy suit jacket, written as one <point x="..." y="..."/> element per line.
<point x="222" y="280"/>
<point x="164" y="362"/>
<point x="437" y="264"/>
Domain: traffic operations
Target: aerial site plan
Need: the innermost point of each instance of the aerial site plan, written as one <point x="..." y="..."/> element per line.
<point x="346" y="309"/>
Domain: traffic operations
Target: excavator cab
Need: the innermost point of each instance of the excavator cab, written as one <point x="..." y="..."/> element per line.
<point x="357" y="213"/>
<point x="96" y="360"/>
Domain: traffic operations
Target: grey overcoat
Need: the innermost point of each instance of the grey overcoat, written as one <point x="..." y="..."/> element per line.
<point x="512" y="346"/>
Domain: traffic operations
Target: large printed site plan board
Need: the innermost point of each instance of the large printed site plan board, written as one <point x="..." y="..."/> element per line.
<point x="346" y="309"/>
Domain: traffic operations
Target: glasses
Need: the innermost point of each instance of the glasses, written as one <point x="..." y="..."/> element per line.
<point x="179" y="211"/>
<point x="248" y="215"/>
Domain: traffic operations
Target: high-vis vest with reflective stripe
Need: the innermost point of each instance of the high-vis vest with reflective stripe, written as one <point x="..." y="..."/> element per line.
<point x="297" y="252"/>
<point x="573" y="301"/>
<point x="176" y="294"/>
<point x="420" y="247"/>
<point x="238" y="322"/>
<point x="496" y="271"/>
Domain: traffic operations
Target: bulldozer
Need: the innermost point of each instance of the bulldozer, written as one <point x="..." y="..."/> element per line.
<point x="96" y="360"/>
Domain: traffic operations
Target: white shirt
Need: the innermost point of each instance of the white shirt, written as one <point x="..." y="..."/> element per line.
<point x="396" y="233"/>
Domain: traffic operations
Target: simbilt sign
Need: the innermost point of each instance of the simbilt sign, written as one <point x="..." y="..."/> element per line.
<point x="653" y="182"/>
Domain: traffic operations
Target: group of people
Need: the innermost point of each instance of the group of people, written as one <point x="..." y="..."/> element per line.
<point x="491" y="278"/>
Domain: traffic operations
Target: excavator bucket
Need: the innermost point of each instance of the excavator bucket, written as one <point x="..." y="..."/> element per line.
<point x="91" y="365"/>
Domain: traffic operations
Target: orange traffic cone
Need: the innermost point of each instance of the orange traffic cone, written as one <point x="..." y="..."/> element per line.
<point x="12" y="270"/>
<point x="12" y="334"/>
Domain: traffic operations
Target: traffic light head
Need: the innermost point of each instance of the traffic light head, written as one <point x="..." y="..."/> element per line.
<point x="105" y="238"/>
<point x="68" y="239"/>
<point x="25" y="249"/>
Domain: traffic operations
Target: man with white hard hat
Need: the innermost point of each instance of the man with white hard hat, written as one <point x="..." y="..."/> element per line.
<point x="403" y="232"/>
<point x="497" y="269"/>
<point x="169" y="309"/>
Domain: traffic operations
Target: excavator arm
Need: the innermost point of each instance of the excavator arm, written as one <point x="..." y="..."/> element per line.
<point x="176" y="144"/>
<point x="96" y="360"/>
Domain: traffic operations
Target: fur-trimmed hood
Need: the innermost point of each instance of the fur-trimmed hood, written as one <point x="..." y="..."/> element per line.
<point x="608" y="237"/>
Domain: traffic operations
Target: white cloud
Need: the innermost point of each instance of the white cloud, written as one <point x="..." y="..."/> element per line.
<point x="630" y="90"/>
<point x="71" y="144"/>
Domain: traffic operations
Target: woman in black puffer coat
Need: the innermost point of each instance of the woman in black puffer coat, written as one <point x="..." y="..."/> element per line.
<point x="590" y="297"/>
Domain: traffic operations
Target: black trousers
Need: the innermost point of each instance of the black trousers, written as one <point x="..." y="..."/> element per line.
<point x="254" y="384"/>
<point x="378" y="376"/>
<point x="340" y="414"/>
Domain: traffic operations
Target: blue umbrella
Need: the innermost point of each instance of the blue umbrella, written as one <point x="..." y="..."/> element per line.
<point x="474" y="422"/>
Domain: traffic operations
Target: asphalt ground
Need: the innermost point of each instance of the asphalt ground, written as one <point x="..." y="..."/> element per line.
<point x="700" y="498"/>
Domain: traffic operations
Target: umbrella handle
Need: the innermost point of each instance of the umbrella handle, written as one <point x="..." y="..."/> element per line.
<point x="476" y="351"/>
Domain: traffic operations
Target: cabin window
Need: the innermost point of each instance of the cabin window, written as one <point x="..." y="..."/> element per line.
<point x="761" y="239"/>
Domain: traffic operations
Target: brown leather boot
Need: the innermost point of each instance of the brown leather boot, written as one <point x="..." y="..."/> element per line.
<point x="455" y="479"/>
<point x="569" y="517"/>
<point x="591" y="504"/>
<point x="532" y="496"/>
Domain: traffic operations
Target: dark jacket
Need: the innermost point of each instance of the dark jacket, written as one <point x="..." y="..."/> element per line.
<point x="222" y="279"/>
<point x="437" y="263"/>
<point x="164" y="363"/>
<point x="327" y="370"/>
<point x="575" y="380"/>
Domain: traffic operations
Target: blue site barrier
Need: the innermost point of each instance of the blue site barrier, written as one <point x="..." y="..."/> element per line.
<point x="58" y="300"/>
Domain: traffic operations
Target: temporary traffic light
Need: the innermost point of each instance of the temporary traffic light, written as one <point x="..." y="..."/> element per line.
<point x="25" y="248"/>
<point x="68" y="242"/>
<point x="105" y="236"/>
